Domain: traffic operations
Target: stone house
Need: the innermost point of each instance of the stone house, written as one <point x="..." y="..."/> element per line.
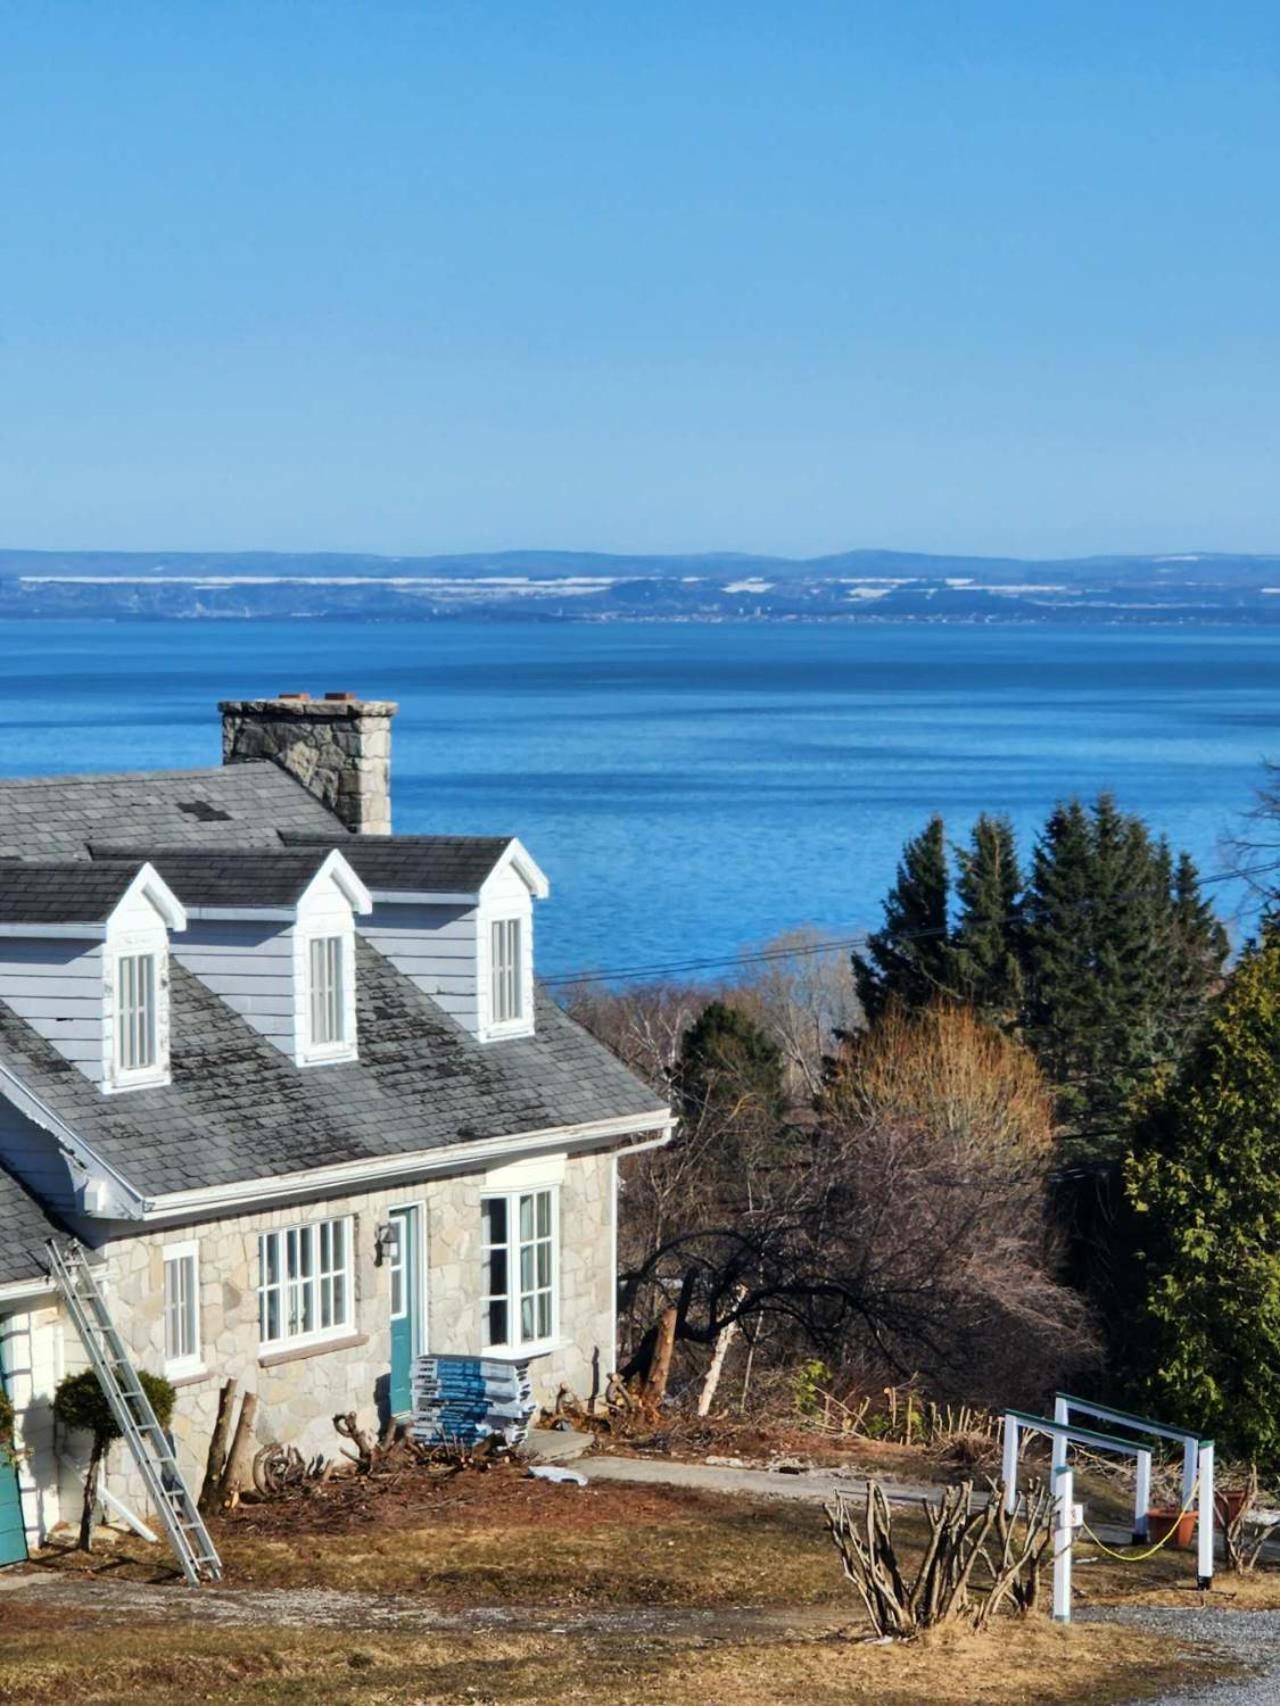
<point x="293" y="1082"/>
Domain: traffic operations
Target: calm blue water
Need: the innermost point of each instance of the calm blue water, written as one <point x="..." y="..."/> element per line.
<point x="691" y="790"/>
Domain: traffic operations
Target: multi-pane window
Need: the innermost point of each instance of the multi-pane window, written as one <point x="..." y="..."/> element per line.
<point x="520" y="1268"/>
<point x="507" y="972"/>
<point x="181" y="1307"/>
<point x="136" y="1012"/>
<point x="304" y="1281"/>
<point x="328" y="1016"/>
<point x="399" y="1277"/>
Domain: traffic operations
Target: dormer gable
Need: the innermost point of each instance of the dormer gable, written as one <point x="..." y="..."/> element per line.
<point x="84" y="959"/>
<point x="455" y="914"/>
<point x="273" y="935"/>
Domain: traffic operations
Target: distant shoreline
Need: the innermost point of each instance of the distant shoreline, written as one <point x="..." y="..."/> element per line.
<point x="1063" y="616"/>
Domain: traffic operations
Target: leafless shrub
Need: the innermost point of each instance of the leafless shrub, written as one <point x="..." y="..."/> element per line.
<point x="977" y="1560"/>
<point x="1245" y="1529"/>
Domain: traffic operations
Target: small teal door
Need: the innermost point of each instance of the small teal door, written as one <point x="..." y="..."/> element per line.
<point x="13" y="1538"/>
<point x="406" y="1307"/>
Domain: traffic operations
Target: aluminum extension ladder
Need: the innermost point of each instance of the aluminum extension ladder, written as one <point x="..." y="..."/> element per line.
<point x="133" y="1414"/>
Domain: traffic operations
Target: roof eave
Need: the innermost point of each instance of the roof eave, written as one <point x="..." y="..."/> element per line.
<point x="443" y="1159"/>
<point x="87" y="1164"/>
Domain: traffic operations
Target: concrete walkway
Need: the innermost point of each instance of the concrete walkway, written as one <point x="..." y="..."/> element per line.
<point x="817" y="1485"/>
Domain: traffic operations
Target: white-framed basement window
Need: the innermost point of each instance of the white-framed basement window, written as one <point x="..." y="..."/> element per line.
<point x="326" y="992"/>
<point x="521" y="1253"/>
<point x="506" y="971"/>
<point x="137" y="1029"/>
<point x="305" y="1283"/>
<point x="182" y="1309"/>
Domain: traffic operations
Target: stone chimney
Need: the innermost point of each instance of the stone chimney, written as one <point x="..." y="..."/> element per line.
<point x="338" y="746"/>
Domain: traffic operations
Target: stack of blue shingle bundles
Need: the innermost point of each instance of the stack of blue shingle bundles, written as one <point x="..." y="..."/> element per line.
<point x="462" y="1400"/>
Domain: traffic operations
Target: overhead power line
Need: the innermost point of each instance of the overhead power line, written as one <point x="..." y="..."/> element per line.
<point x="835" y="944"/>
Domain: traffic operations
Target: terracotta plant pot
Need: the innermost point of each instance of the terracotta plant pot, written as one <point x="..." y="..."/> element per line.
<point x="1159" y="1522"/>
<point x="1228" y="1505"/>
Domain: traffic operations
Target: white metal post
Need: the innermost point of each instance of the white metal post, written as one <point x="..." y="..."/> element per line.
<point x="1204" y="1563"/>
<point x="1142" y="1499"/>
<point x="1009" y="1465"/>
<point x="1063" y="1535"/>
<point x="1058" y="1444"/>
<point x="1190" y="1464"/>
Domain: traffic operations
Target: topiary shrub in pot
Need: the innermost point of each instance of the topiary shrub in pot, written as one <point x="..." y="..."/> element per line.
<point x="80" y="1404"/>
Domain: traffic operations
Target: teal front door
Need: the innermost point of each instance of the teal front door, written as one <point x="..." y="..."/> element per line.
<point x="406" y="1306"/>
<point x="13" y="1538"/>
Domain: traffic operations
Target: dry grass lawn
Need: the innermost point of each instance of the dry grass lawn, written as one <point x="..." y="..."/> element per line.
<point x="165" y="1665"/>
<point x="519" y="1546"/>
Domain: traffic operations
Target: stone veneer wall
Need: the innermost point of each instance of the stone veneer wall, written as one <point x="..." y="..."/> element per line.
<point x="339" y="747"/>
<point x="299" y="1396"/>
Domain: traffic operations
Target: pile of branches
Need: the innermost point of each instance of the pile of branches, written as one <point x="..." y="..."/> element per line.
<point x="979" y="1558"/>
<point x="239" y="1470"/>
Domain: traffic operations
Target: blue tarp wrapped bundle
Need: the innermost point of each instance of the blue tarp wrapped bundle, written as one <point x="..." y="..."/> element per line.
<point x="463" y="1400"/>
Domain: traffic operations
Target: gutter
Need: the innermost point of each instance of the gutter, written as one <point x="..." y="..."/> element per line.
<point x="423" y="1163"/>
<point x="28" y="1290"/>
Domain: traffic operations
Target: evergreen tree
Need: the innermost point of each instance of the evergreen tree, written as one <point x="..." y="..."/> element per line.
<point x="1203" y="1179"/>
<point x="1198" y="949"/>
<point x="985" y="957"/>
<point x="729" y="1069"/>
<point x="1097" y="914"/>
<point x="909" y="960"/>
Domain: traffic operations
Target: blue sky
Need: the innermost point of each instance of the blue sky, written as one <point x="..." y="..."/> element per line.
<point x="993" y="276"/>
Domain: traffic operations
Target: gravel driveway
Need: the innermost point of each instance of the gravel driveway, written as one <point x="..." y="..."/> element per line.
<point x="1252" y="1638"/>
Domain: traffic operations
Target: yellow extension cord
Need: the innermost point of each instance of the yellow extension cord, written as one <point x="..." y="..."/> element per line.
<point x="1141" y="1557"/>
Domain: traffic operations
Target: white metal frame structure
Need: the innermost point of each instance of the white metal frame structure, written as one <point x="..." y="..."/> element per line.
<point x="1063" y="1405"/>
<point x="1063" y="1434"/>
<point x="1197" y="1464"/>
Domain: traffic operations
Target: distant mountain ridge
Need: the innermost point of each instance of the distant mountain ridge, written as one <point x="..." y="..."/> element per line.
<point x="862" y="585"/>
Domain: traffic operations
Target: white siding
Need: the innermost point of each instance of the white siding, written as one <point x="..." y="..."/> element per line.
<point x="445" y="949"/>
<point x="57" y="987"/>
<point x="260" y="968"/>
<point x="250" y="967"/>
<point x="35" y="1157"/>
<point x="436" y="947"/>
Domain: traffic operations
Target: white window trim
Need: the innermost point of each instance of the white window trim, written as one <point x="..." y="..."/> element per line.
<point x="179" y="1367"/>
<point x="522" y="1025"/>
<point x="521" y="1348"/>
<point x="118" y="1077"/>
<point x="309" y="1052"/>
<point x="418" y="1208"/>
<point x="319" y="1335"/>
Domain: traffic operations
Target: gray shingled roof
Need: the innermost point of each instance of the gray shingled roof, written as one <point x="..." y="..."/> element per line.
<point x="425" y="864"/>
<point x="24" y="1226"/>
<point x="62" y="894"/>
<point x="238" y="1109"/>
<point x="217" y="877"/>
<point x="236" y="805"/>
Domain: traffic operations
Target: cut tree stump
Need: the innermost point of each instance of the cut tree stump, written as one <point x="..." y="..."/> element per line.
<point x="655" y="1385"/>
<point x="238" y="1473"/>
<point x="216" y="1461"/>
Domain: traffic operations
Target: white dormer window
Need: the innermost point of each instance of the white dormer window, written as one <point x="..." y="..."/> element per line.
<point x="137" y="1013"/>
<point x="506" y="970"/>
<point x="137" y="1027"/>
<point x="327" y="993"/>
